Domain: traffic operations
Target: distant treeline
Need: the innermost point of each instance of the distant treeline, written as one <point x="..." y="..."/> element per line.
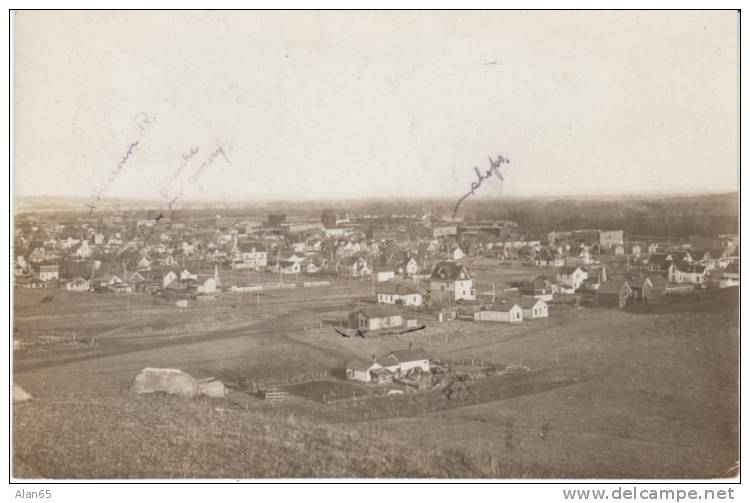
<point x="707" y="215"/>
<point x="679" y="216"/>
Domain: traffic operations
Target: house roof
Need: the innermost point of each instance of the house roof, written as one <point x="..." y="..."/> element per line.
<point x="410" y="355"/>
<point x="363" y="365"/>
<point x="449" y="270"/>
<point x="657" y="281"/>
<point x="377" y="311"/>
<point x="692" y="268"/>
<point x="388" y="361"/>
<point x="391" y="288"/>
<point x="350" y="260"/>
<point x="529" y="302"/>
<point x="569" y="269"/>
<point x="503" y="308"/>
<point x="613" y="286"/>
<point x="250" y="247"/>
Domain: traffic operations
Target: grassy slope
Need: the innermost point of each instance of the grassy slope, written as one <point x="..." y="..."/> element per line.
<point x="129" y="436"/>
<point x="660" y="397"/>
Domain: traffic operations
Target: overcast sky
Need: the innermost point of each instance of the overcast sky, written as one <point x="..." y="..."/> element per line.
<point x="352" y="104"/>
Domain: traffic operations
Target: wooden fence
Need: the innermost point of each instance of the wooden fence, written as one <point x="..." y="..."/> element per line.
<point x="256" y="386"/>
<point x="466" y="362"/>
<point x="275" y="396"/>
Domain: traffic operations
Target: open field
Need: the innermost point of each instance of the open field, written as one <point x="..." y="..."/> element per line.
<point x="611" y="393"/>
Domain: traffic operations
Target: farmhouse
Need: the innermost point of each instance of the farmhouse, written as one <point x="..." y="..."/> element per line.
<point x="393" y="293"/>
<point x="385" y="369"/>
<point x="533" y="308"/>
<point x="381" y="317"/>
<point x="451" y="281"/>
<point x="409" y="359"/>
<point x="509" y="312"/>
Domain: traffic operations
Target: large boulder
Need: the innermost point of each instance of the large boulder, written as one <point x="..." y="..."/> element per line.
<point x="171" y="381"/>
<point x="212" y="387"/>
<point x="19" y="394"/>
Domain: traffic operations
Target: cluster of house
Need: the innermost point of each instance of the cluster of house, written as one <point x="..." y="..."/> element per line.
<point x="383" y="248"/>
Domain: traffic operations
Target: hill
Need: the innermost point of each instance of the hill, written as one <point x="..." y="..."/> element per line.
<point x="102" y="436"/>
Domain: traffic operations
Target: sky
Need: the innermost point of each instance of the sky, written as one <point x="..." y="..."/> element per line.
<point x="341" y="105"/>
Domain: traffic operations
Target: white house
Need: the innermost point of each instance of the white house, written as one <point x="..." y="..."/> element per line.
<point x="392" y="293"/>
<point x="83" y="250"/>
<point x="46" y="271"/>
<point x="290" y="267"/>
<point x="144" y="264"/>
<point x="409" y="359"/>
<point x="206" y="285"/>
<point x="384" y="369"/>
<point x="375" y="318"/>
<point x="168" y="277"/>
<point x="509" y="312"/>
<point x="186" y="275"/>
<point x="249" y="256"/>
<point x="571" y="278"/>
<point x="78" y="285"/>
<point x="384" y="274"/>
<point x="451" y="281"/>
<point x="353" y="267"/>
<point x="533" y="308"/>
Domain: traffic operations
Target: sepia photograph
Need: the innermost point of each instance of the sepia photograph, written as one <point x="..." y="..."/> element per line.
<point x="375" y="245"/>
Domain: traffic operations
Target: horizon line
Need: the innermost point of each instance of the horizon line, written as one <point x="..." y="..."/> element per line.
<point x="251" y="200"/>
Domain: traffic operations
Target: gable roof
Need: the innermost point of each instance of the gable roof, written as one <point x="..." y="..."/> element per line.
<point x="376" y="311"/>
<point x="567" y="270"/>
<point x="449" y="270"/>
<point x="529" y="302"/>
<point x="387" y="361"/>
<point x="392" y="288"/>
<point x="410" y="355"/>
<point x="503" y="308"/>
<point x="613" y="286"/>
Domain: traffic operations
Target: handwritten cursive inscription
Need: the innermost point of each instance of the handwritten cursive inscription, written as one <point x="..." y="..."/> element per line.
<point x="143" y="122"/>
<point x="195" y="177"/>
<point x="494" y="169"/>
<point x="185" y="160"/>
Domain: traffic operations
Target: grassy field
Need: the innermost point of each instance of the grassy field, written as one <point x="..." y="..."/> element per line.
<point x="165" y="437"/>
<point x="642" y="392"/>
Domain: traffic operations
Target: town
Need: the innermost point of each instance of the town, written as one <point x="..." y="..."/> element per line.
<point x="345" y="317"/>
